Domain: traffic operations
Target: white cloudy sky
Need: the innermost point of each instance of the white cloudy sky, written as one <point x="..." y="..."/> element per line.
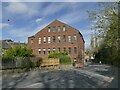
<point x="27" y="18"/>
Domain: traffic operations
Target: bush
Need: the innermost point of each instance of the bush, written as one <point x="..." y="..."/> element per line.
<point x="18" y="51"/>
<point x="8" y="62"/>
<point x="65" y="60"/>
<point x="20" y="62"/>
<point x="39" y="61"/>
<point x="63" y="56"/>
<point x="57" y="54"/>
<point x="27" y="63"/>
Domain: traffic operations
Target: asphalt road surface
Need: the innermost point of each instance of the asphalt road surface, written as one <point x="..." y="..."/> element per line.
<point x="92" y="76"/>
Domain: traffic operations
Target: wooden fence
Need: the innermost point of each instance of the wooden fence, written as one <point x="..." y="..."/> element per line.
<point x="50" y="62"/>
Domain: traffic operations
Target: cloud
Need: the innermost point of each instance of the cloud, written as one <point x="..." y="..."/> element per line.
<point x="53" y="8"/>
<point x="27" y="31"/>
<point x="74" y="16"/>
<point x="22" y="8"/>
<point x="38" y="20"/>
<point x="4" y="25"/>
<point x="19" y="8"/>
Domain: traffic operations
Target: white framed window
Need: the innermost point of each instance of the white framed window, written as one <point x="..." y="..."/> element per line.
<point x="49" y="39"/>
<point x="39" y="51"/>
<point x="54" y="29"/>
<point x="44" y="39"/>
<point x="39" y="40"/>
<point x="54" y="40"/>
<point x="58" y="28"/>
<point x="58" y="39"/>
<point x="53" y="49"/>
<point x="44" y="51"/>
<point x="75" y="50"/>
<point x="48" y="29"/>
<point x="75" y="38"/>
<point x="64" y="28"/>
<point x="64" y="38"/>
<point x="69" y="38"/>
<point x="48" y="50"/>
<point x="69" y="50"/>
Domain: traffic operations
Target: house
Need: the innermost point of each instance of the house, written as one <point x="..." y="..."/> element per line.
<point x="56" y="37"/>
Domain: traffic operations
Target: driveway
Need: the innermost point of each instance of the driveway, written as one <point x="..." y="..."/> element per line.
<point x="93" y="76"/>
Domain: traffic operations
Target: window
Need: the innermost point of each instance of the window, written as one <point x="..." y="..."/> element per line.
<point x="31" y="41"/>
<point x="58" y="39"/>
<point x="64" y="49"/>
<point x="64" y="38"/>
<point x="58" y="49"/>
<point x="69" y="38"/>
<point x="49" y="38"/>
<point x="53" y="49"/>
<point x="48" y="50"/>
<point x="39" y="40"/>
<point x="54" y="39"/>
<point x="75" y="50"/>
<point x="44" y="39"/>
<point x="64" y="28"/>
<point x="54" y="29"/>
<point x="75" y="38"/>
<point x="58" y="28"/>
<point x="39" y="51"/>
<point x="48" y="29"/>
<point x="44" y="51"/>
<point x="69" y="50"/>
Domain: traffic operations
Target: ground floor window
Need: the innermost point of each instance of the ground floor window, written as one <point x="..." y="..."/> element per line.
<point x="48" y="50"/>
<point x="75" y="50"/>
<point x="53" y="49"/>
<point x="69" y="50"/>
<point x="39" y="51"/>
<point x="64" y="49"/>
<point x="44" y="51"/>
<point x="58" y="49"/>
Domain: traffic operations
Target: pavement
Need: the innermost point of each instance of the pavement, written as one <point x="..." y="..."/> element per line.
<point x="92" y="76"/>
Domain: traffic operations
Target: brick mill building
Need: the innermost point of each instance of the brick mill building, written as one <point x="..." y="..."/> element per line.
<point x="56" y="37"/>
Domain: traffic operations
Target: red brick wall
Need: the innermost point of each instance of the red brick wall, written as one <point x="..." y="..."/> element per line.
<point x="69" y="31"/>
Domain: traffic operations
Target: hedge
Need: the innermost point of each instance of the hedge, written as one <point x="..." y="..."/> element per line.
<point x="63" y="56"/>
<point x="21" y="62"/>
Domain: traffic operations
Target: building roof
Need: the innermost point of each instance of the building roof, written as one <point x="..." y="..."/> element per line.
<point x="5" y="45"/>
<point x="31" y="37"/>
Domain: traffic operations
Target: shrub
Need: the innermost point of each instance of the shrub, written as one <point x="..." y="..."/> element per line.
<point x="27" y="63"/>
<point x="18" y="51"/>
<point x="8" y="62"/>
<point x="39" y="61"/>
<point x="65" y="60"/>
<point x="63" y="56"/>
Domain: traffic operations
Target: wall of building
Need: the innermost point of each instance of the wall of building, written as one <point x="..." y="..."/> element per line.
<point x="79" y="44"/>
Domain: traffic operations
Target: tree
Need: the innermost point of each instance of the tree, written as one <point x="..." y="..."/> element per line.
<point x="18" y="51"/>
<point x="106" y="26"/>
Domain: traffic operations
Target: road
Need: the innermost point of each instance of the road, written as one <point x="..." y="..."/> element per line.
<point x="93" y="76"/>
